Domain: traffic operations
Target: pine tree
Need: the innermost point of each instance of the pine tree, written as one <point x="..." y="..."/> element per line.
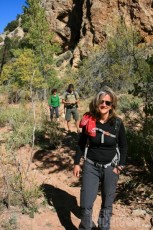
<point x="40" y="38"/>
<point x="5" y="52"/>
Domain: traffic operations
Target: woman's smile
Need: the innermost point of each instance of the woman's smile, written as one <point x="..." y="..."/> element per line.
<point x="106" y="104"/>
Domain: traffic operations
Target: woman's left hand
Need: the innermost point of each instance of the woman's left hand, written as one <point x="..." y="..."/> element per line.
<point x="117" y="170"/>
<point x="76" y="170"/>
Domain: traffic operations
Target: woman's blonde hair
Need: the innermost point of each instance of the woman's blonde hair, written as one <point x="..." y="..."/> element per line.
<point x="94" y="104"/>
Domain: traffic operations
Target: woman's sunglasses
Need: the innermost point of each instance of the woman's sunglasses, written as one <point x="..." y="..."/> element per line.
<point x="108" y="103"/>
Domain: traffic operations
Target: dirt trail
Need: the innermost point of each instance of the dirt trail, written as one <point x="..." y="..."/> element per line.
<point x="53" y="170"/>
<point x="62" y="191"/>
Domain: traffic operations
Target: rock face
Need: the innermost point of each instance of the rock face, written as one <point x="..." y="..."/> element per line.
<point x="18" y="32"/>
<point x="81" y="25"/>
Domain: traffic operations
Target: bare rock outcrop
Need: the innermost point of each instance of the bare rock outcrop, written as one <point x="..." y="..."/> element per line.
<point x="18" y="32"/>
<point x="82" y="25"/>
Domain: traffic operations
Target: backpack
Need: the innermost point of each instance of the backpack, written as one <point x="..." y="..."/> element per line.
<point x="117" y="128"/>
<point x="116" y="159"/>
<point x="74" y="93"/>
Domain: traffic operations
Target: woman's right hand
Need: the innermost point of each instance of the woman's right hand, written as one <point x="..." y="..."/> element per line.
<point x="76" y="170"/>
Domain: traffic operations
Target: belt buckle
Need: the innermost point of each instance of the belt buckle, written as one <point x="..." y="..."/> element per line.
<point x="98" y="165"/>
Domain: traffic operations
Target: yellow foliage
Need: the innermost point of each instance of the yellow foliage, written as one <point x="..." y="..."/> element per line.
<point x="23" y="71"/>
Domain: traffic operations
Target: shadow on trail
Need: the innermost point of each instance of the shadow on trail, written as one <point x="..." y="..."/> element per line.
<point x="57" y="158"/>
<point x="135" y="187"/>
<point x="49" y="138"/>
<point x="64" y="204"/>
<point x="71" y="140"/>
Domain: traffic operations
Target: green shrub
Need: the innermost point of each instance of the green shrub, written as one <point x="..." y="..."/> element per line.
<point x="134" y="147"/>
<point x="50" y="132"/>
<point x="20" y="121"/>
<point x="31" y="197"/>
<point x="20" y="189"/>
<point x="140" y="148"/>
<point x="14" y="116"/>
<point x="59" y="62"/>
<point x="127" y="103"/>
<point x="21" y="135"/>
<point x="11" y="25"/>
<point x="10" y="224"/>
<point x="3" y="117"/>
<point x="1" y="39"/>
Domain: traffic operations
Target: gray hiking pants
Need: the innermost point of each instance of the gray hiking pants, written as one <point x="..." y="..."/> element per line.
<point x="92" y="175"/>
<point x="52" y="110"/>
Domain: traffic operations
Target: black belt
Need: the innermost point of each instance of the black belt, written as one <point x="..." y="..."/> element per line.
<point x="70" y="106"/>
<point x="99" y="165"/>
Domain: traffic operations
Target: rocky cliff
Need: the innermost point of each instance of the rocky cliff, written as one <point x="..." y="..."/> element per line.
<point x="80" y="25"/>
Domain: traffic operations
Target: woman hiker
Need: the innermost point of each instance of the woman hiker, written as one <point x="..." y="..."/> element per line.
<point x="102" y="131"/>
<point x="54" y="103"/>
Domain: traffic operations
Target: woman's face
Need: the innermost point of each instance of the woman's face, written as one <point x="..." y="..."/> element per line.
<point x="105" y="104"/>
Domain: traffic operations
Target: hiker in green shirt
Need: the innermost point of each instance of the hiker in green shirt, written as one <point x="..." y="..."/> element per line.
<point x="54" y="103"/>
